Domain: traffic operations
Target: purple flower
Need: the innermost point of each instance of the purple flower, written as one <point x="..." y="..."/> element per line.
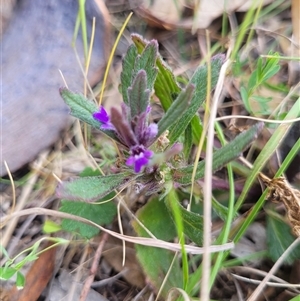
<point x="135" y="134"/>
<point x="139" y="157"/>
<point x="103" y="117"/>
<point x="151" y="132"/>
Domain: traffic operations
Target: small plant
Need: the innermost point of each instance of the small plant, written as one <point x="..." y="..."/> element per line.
<point x="153" y="157"/>
<point x="12" y="267"/>
<point x="154" y="160"/>
<point x="259" y="78"/>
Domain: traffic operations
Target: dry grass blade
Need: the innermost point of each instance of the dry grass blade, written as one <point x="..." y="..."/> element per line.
<point x="280" y="190"/>
<point x="7" y="234"/>
<point x="294" y="66"/>
<point x="275" y="267"/>
<point x="137" y="240"/>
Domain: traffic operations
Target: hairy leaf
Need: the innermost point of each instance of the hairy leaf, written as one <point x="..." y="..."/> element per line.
<point x="83" y="109"/>
<point x="102" y="213"/>
<point x="133" y="63"/>
<point x="188" y="142"/>
<point x="199" y="80"/>
<point x="166" y="87"/>
<point x="222" y="156"/>
<point x="176" y="110"/>
<point x="139" y="95"/>
<point x="147" y="61"/>
<point x="126" y="74"/>
<point x="192" y="223"/>
<point x="92" y="188"/>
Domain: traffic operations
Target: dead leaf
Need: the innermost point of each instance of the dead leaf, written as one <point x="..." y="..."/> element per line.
<point x="60" y="289"/>
<point x="167" y="13"/>
<point x="253" y="241"/>
<point x="281" y="191"/>
<point x="163" y="13"/>
<point x="113" y="254"/>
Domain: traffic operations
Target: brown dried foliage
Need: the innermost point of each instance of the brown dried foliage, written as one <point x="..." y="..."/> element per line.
<point x="281" y="191"/>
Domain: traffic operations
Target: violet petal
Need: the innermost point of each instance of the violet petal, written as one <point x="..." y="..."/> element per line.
<point x="101" y="115"/>
<point x="139" y="158"/>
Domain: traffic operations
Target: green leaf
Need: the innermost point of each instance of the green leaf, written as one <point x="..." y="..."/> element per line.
<point x="51" y="227"/>
<point x="155" y="261"/>
<point x="20" y="281"/>
<point x="165" y="86"/>
<point x="7" y="272"/>
<point x="102" y="213"/>
<point x="192" y="223"/>
<point x="176" y="110"/>
<point x="270" y="73"/>
<point x="221" y="157"/>
<point x="199" y="79"/>
<point x="271" y="66"/>
<point x="133" y="63"/>
<point x="221" y="210"/>
<point x="92" y="188"/>
<point x="147" y="61"/>
<point x="279" y="238"/>
<point x="90" y="172"/>
<point x="297" y="298"/>
<point x="262" y="99"/>
<point x="188" y="142"/>
<point x="259" y="70"/>
<point x="157" y="218"/>
<point x="252" y="82"/>
<point x="263" y="157"/>
<point x="197" y="129"/>
<point x="139" y="95"/>
<point x="83" y="109"/>
<point x="245" y="98"/>
<point x="126" y="74"/>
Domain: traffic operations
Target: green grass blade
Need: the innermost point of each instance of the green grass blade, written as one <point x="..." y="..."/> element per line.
<point x="268" y="151"/>
<point x="264" y="155"/>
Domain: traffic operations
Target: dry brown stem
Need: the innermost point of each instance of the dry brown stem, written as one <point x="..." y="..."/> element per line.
<point x="281" y="191"/>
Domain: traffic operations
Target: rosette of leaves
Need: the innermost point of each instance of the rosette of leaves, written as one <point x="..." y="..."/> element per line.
<point x="150" y="149"/>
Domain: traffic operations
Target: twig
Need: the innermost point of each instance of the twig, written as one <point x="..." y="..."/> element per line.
<point x="78" y="275"/>
<point x="94" y="267"/>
